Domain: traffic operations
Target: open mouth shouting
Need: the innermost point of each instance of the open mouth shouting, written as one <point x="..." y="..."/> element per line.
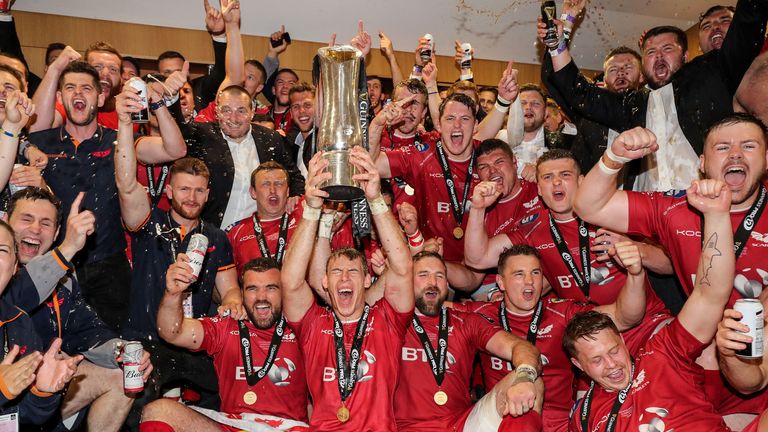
<point x="735" y="175"/>
<point x="29" y="246"/>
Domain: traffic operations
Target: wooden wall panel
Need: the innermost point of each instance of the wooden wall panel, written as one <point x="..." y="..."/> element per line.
<point x="147" y="42"/>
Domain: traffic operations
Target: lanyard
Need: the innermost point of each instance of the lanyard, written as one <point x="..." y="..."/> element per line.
<point x="744" y="231"/>
<point x="245" y="349"/>
<point x="156" y="191"/>
<point x="281" y="241"/>
<point x="437" y="363"/>
<point x="533" y="327"/>
<point x="456" y="208"/>
<point x="347" y="372"/>
<point x="610" y="426"/>
<point x="582" y="279"/>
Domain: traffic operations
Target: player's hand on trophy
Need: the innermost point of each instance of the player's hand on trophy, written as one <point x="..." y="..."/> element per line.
<point x="368" y="175"/>
<point x="316" y="175"/>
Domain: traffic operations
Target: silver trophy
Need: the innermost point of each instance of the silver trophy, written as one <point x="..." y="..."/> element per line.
<point x="338" y="114"/>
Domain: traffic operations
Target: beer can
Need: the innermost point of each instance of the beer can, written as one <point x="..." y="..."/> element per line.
<point x="133" y="382"/>
<point x="426" y="53"/>
<point x="143" y="115"/>
<point x="466" y="59"/>
<point x="752" y="316"/>
<point x="196" y="249"/>
<point x="12" y="187"/>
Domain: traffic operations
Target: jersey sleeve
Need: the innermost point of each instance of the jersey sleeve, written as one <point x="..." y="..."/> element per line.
<point x="404" y="163"/>
<point x="646" y="210"/>
<point x="678" y="343"/>
<point x="225" y="259"/>
<point x="302" y="327"/>
<point x="398" y="321"/>
<point x="212" y="341"/>
<point x="480" y="330"/>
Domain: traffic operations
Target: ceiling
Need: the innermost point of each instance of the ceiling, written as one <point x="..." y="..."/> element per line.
<point x="497" y="29"/>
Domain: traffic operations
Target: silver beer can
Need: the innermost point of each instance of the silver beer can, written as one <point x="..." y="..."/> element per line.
<point x="466" y="59"/>
<point x="752" y="315"/>
<point x="133" y="382"/>
<point x="196" y="249"/>
<point x="426" y="53"/>
<point x="143" y="115"/>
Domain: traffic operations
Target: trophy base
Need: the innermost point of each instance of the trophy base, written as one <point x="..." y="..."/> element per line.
<point x="341" y="187"/>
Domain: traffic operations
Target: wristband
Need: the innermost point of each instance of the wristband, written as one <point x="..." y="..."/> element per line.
<point x="417" y="68"/>
<point x="525" y="372"/>
<point x="37" y="392"/>
<point x="503" y="102"/>
<point x="9" y="133"/>
<point x="467" y="77"/>
<point x="415" y="240"/>
<point x="567" y="17"/>
<point x="561" y="47"/>
<point x="501" y="108"/>
<point x="378" y="206"/>
<point x="310" y="213"/>
<point x="431" y="93"/>
<point x="326" y="225"/>
<point x="604" y="168"/>
<point x="614" y="157"/>
<point x="154" y="106"/>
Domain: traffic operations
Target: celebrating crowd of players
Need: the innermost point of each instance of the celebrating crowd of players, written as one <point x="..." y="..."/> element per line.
<point x="557" y="258"/>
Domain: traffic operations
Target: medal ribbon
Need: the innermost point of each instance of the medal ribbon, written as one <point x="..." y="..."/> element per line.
<point x="437" y="363"/>
<point x="156" y="191"/>
<point x="347" y="373"/>
<point x="610" y="425"/>
<point x="582" y="279"/>
<point x="251" y="376"/>
<point x="281" y="241"/>
<point x="533" y="327"/>
<point x="456" y="208"/>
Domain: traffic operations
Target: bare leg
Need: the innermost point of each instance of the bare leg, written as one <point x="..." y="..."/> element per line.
<point x="101" y="388"/>
<point x="178" y="416"/>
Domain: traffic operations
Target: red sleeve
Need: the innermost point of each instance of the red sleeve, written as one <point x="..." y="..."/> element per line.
<point x="469" y="306"/>
<point x="404" y="163"/>
<point x="212" y="343"/>
<point x="399" y="321"/>
<point x="678" y="342"/>
<point x="62" y="112"/>
<point x="307" y="321"/>
<point x="516" y="237"/>
<point x="207" y="114"/>
<point x="481" y="330"/>
<point x="647" y="213"/>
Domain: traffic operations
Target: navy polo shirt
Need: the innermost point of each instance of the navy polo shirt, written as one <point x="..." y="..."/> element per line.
<point x="151" y="247"/>
<point x="86" y="167"/>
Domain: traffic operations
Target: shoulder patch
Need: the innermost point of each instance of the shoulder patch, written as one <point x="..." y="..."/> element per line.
<point x="675" y="193"/>
<point x="229" y="227"/>
<point x="422" y="147"/>
<point x="529" y="219"/>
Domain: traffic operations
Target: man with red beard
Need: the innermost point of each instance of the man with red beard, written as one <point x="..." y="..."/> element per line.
<point x="160" y="238"/>
<point x="267" y="232"/>
<point x="352" y="395"/>
<point x="734" y="153"/>
<point x="273" y="392"/>
<point x="302" y="135"/>
<point x="542" y="322"/>
<point x="685" y="97"/>
<point x="660" y="388"/>
<point x="575" y="255"/>
<point x="443" y="343"/>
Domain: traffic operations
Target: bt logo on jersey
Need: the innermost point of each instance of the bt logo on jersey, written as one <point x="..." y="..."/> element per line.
<point x="364" y="369"/>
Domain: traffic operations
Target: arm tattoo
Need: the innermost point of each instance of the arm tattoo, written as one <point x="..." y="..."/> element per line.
<point x="711" y="245"/>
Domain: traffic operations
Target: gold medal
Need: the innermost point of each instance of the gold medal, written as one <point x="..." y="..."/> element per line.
<point x="343" y="414"/>
<point x="458" y="233"/>
<point x="440" y="398"/>
<point x="249" y="398"/>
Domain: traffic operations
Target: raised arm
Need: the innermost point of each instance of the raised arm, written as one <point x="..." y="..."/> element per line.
<point x="170" y="145"/>
<point x="321" y="254"/>
<point x="45" y="96"/>
<point x="134" y="202"/>
<point x="598" y="200"/>
<point x="235" y="58"/>
<point x="171" y="324"/>
<point x="389" y="52"/>
<point x="390" y="115"/>
<point x="508" y="91"/>
<point x="629" y="308"/>
<point x="429" y="75"/>
<point x="297" y="294"/>
<point x="231" y="296"/>
<point x="18" y="110"/>
<point x="398" y="289"/>
<point x="714" y="275"/>
<point x="481" y="252"/>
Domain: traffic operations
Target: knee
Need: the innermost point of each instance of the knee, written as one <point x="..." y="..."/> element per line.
<point x="161" y="409"/>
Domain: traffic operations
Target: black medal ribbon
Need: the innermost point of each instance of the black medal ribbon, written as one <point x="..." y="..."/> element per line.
<point x="744" y="231"/>
<point x="281" y="240"/>
<point x="436" y="362"/>
<point x="251" y="376"/>
<point x="457" y="208"/>
<point x="347" y="372"/>
<point x="586" y="407"/>
<point x="156" y="191"/>
<point x="582" y="279"/>
<point x="533" y="327"/>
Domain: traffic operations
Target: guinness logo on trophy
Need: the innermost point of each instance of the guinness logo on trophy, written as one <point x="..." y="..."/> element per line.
<point x="341" y="109"/>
